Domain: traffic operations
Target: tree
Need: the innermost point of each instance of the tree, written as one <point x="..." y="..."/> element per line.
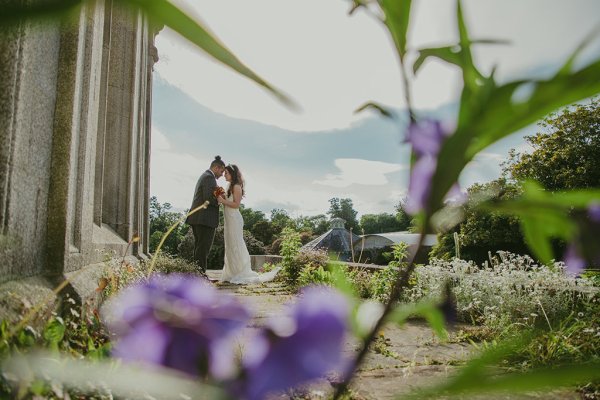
<point x="403" y="218"/>
<point x="161" y="219"/>
<point x="565" y="157"/>
<point x="316" y="224"/>
<point x="380" y="223"/>
<point x="280" y="220"/>
<point x="483" y="232"/>
<point x="343" y="208"/>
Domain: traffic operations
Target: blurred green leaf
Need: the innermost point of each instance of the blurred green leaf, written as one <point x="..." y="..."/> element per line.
<point x="341" y="281"/>
<point x="54" y="332"/>
<point x="427" y="309"/>
<point x="16" y="11"/>
<point x="397" y="17"/>
<point x="450" y="54"/>
<point x="491" y="114"/>
<point x="545" y="215"/>
<point x="533" y="380"/>
<point x="470" y="72"/>
<point x="381" y="109"/>
<point x="164" y="12"/>
<point x="568" y="65"/>
<point x="123" y="380"/>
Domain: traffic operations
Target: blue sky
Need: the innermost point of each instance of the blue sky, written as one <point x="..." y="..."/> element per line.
<point x="331" y="63"/>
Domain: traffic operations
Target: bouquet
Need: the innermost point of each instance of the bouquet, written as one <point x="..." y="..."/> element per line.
<point x="219" y="191"/>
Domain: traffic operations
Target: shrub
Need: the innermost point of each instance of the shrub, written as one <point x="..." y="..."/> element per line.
<point x="514" y="291"/>
<point x="216" y="257"/>
<point x="315" y="274"/>
<point x="361" y="280"/>
<point x="383" y="281"/>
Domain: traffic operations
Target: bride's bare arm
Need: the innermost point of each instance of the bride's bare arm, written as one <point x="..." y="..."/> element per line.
<point x="237" y="198"/>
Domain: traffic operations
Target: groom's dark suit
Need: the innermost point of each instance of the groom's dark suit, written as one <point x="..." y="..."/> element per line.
<point x="205" y="221"/>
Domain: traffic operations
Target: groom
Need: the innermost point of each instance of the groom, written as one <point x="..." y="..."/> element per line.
<point x="205" y="221"/>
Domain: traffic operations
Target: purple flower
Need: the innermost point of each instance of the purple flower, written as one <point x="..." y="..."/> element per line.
<point x="594" y="212"/>
<point x="574" y="262"/>
<point x="419" y="186"/>
<point x="179" y="322"/>
<point x="293" y="350"/>
<point x="427" y="136"/>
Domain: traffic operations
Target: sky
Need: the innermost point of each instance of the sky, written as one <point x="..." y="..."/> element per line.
<point x="331" y="63"/>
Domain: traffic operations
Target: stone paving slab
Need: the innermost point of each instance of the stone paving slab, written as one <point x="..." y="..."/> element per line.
<point x="410" y="357"/>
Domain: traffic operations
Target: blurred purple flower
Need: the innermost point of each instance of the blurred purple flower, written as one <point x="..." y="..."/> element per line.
<point x="305" y="346"/>
<point x="574" y="262"/>
<point x="179" y="322"/>
<point x="594" y="212"/>
<point x="419" y="185"/>
<point x="426" y="138"/>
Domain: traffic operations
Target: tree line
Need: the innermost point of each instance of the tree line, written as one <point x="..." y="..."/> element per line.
<point x="565" y="155"/>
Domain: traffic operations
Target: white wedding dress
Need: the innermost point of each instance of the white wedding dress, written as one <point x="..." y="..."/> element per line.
<point x="237" y="268"/>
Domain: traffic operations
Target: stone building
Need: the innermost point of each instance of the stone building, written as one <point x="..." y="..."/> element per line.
<point x="75" y="102"/>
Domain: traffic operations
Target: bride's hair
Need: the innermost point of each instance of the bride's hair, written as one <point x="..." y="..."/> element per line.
<point x="236" y="178"/>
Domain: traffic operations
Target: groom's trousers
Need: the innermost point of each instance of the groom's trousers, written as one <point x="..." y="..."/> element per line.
<point x="203" y="240"/>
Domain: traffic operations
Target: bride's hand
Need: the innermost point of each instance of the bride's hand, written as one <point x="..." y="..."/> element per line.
<point x="220" y="199"/>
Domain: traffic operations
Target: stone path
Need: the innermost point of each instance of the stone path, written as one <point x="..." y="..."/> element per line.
<point x="406" y="358"/>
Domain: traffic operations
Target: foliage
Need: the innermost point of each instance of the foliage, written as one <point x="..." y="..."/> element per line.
<point x="567" y="155"/>
<point x="488" y="111"/>
<point x="380" y="223"/>
<point x="361" y="282"/>
<point x="161" y="219"/>
<point x="405" y="221"/>
<point x="481" y="232"/>
<point x="168" y="264"/>
<point x="280" y="220"/>
<point x="79" y="333"/>
<point x="316" y="224"/>
<point x="512" y="293"/>
<point x="344" y="209"/>
<point x="257" y="224"/>
<point x="312" y="274"/>
<point x="290" y="246"/>
<point x="383" y="281"/>
<point x="216" y="256"/>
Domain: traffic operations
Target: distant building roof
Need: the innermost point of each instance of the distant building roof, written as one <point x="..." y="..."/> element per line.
<point x="336" y="240"/>
<point x="378" y="240"/>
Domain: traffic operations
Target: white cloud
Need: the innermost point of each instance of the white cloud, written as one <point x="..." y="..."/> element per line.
<point x="331" y="63"/>
<point x="362" y="172"/>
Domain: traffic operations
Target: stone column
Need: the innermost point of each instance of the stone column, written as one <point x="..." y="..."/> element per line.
<point x="28" y="71"/>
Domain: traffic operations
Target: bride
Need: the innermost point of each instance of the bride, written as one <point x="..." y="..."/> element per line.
<point x="237" y="268"/>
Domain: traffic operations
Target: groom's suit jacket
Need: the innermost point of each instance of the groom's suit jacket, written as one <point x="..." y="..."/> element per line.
<point x="204" y="191"/>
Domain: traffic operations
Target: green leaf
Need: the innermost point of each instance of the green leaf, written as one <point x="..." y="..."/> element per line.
<point x="490" y="115"/>
<point x="450" y="54"/>
<point x="492" y="122"/>
<point x="54" y="332"/>
<point x="16" y="11"/>
<point x="397" y="17"/>
<point x="341" y="281"/>
<point x="568" y="65"/>
<point x="436" y="320"/>
<point x="382" y="109"/>
<point x="536" y="379"/>
<point x="470" y="73"/>
<point x="427" y="309"/>
<point x="536" y="238"/>
<point x="163" y="12"/>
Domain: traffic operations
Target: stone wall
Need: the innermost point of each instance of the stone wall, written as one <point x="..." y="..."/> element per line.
<point x="75" y="101"/>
